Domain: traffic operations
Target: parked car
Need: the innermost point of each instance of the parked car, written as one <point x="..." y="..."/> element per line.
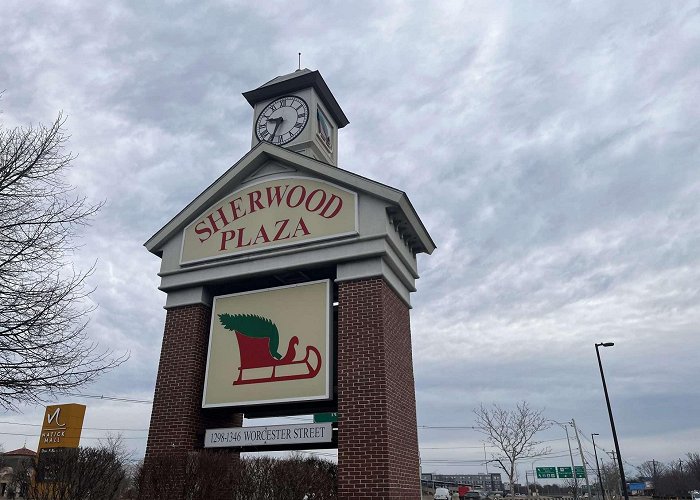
<point x="442" y="494"/>
<point x="472" y="495"/>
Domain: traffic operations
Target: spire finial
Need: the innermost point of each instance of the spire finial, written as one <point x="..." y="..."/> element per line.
<point x="299" y="61"/>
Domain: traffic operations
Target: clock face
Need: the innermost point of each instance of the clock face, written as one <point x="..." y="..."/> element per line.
<point x="282" y="120"/>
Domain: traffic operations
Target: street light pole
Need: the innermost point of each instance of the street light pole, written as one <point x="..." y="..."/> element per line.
<point x="623" y="482"/>
<point x="597" y="466"/>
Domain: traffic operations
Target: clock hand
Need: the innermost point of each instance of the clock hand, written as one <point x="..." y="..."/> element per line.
<point x="279" y="121"/>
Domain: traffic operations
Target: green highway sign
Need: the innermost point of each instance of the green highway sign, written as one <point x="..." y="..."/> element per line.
<point x="564" y="472"/>
<point x="559" y="472"/>
<point x="546" y="472"/>
<point x="325" y="417"/>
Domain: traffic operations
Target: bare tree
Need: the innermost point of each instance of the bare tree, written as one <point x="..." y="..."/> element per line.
<point x="70" y="473"/>
<point x="512" y="432"/>
<point x="692" y="468"/>
<point x="44" y="347"/>
<point x="221" y="475"/>
<point x="650" y="468"/>
<point x="610" y="473"/>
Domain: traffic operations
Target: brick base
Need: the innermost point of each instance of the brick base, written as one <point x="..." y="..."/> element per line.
<point x="377" y="439"/>
<point x="178" y="420"/>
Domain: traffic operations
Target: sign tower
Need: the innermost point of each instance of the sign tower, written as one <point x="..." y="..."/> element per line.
<point x="288" y="286"/>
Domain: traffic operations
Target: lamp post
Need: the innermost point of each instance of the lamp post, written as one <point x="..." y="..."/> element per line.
<point x="571" y="455"/>
<point x="597" y="466"/>
<point x="623" y="482"/>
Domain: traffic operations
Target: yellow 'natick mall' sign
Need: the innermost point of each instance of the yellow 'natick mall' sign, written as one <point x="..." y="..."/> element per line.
<point x="62" y="426"/>
<point x="271" y="213"/>
<point x="270" y="346"/>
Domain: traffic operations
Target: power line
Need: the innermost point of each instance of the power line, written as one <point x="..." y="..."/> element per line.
<point x="111" y="398"/>
<point x="550" y="440"/>
<point x="455" y="447"/>
<point x="81" y="437"/>
<point x="443" y="427"/>
<point x="447" y="461"/>
<point x="85" y="428"/>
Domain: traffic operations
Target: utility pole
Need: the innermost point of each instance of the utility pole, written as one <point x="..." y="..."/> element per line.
<point x="597" y="466"/>
<point x="583" y="460"/>
<point x="573" y="467"/>
<point x="486" y="460"/>
<point x="613" y="457"/>
<point x="571" y="455"/>
<point x="527" y="484"/>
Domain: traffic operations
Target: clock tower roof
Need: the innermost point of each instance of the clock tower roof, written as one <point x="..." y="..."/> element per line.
<point x="298" y="80"/>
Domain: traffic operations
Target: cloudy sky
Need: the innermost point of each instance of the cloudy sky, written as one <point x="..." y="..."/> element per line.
<point x="551" y="149"/>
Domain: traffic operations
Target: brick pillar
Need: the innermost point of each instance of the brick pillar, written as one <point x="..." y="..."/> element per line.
<point x="377" y="438"/>
<point x="177" y="418"/>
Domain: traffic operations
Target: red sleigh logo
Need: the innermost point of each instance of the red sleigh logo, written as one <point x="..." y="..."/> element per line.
<point x="258" y="344"/>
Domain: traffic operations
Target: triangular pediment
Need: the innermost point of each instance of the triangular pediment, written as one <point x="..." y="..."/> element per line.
<point x="269" y="169"/>
<point x="266" y="161"/>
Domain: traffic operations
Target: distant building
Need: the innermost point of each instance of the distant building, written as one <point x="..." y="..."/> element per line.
<point x="11" y="463"/>
<point x="486" y="482"/>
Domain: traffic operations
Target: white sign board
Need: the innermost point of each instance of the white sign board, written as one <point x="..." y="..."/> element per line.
<point x="268" y="435"/>
<point x="270" y="346"/>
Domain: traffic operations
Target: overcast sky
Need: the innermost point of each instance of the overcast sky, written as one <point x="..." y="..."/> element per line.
<point x="550" y="148"/>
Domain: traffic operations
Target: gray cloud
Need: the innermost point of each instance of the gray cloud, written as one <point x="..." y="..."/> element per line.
<point x="551" y="150"/>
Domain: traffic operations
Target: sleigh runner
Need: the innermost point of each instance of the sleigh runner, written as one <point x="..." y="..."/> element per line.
<point x="258" y="342"/>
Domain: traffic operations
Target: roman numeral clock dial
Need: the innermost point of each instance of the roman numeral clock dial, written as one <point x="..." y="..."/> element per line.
<point x="282" y="120"/>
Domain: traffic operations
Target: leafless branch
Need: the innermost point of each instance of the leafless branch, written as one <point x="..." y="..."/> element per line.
<point x="44" y="301"/>
<point x="512" y="433"/>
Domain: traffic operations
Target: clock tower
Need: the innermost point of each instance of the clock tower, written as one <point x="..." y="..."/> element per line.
<point x="298" y="112"/>
<point x="288" y="288"/>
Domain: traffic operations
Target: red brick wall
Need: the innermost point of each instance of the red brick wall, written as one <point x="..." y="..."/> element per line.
<point x="377" y="440"/>
<point x="177" y="418"/>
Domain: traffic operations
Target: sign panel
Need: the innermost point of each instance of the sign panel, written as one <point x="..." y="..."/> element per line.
<point x="580" y="471"/>
<point x="268" y="214"/>
<point x="269" y="435"/>
<point x="546" y="472"/>
<point x="62" y="426"/>
<point x="565" y="472"/>
<point x="270" y="346"/>
<point x="325" y="417"/>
